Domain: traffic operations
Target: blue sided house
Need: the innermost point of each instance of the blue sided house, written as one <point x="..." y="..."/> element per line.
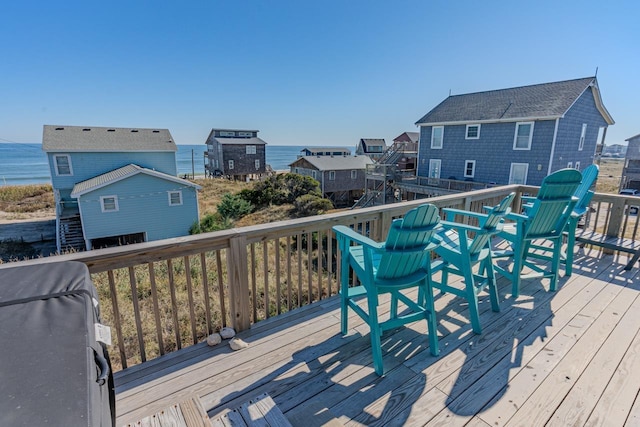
<point x="513" y="136"/>
<point x="115" y="186"/>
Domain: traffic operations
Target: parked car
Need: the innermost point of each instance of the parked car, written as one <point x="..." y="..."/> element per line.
<point x="633" y="210"/>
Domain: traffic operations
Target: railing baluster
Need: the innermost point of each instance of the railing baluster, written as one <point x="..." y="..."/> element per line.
<point x="136" y="313"/>
<point x="319" y="270"/>
<point x="205" y="289"/>
<point x="299" y="259"/>
<point x="329" y="259"/>
<point x="192" y="314"/>
<point x="265" y="269"/>
<point x="309" y="268"/>
<point x="276" y="244"/>
<point x="223" y="311"/>
<point x="156" y="308"/>
<point x="174" y="304"/>
<point x="254" y="291"/>
<point x="116" y="318"/>
<point x="288" y="254"/>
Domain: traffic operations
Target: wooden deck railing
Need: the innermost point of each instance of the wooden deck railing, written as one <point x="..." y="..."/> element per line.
<point x="165" y="295"/>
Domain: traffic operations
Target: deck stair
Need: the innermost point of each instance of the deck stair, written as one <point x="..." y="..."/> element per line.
<point x="70" y="232"/>
<point x="261" y="411"/>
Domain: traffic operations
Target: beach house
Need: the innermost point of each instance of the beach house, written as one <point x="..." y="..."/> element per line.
<point x="341" y="178"/>
<point x="372" y="147"/>
<point x="115" y="186"/>
<point x="631" y="170"/>
<point x="513" y="136"/>
<point x="238" y="154"/>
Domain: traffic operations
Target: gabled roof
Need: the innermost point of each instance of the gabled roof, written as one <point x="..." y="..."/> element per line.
<point x="633" y="137"/>
<point x="373" y="141"/>
<point x="326" y="149"/>
<point x="104" y="139"/>
<point x="324" y="163"/>
<point x="240" y="141"/>
<point x="541" y="101"/>
<point x="119" y="174"/>
<point x="413" y="136"/>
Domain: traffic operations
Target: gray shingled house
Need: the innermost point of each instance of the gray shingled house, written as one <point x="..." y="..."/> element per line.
<point x="631" y="170"/>
<point x="341" y="178"/>
<point x="325" y="151"/>
<point x="372" y="147"/>
<point x="238" y="154"/>
<point x="517" y="135"/>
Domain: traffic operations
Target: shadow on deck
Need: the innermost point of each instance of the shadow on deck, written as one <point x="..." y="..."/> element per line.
<point x="563" y="358"/>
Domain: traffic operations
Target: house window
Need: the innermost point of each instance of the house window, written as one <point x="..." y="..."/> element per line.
<point x="437" y="132"/>
<point x="332" y="175"/>
<point x="473" y="132"/>
<point x="518" y="173"/>
<point x="313" y="174"/>
<point x="175" y="198"/>
<point x="354" y="174"/>
<point x="469" y="168"/>
<point x="569" y="165"/>
<point x="245" y="134"/>
<point x="225" y="133"/>
<point x="63" y="164"/>
<point x="297" y="170"/>
<point x="231" y="164"/>
<point x="524" y="134"/>
<point x="251" y="149"/>
<point x="109" y="203"/>
<point x="577" y="165"/>
<point x="583" y="134"/>
<point x="434" y="168"/>
<point x="257" y="162"/>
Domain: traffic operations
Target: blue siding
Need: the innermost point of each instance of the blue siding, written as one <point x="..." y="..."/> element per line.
<point x="569" y="129"/>
<point x="143" y="207"/>
<point x="493" y="152"/>
<point x="89" y="165"/>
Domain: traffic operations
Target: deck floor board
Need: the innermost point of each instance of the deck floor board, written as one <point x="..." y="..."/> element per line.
<point x="545" y="359"/>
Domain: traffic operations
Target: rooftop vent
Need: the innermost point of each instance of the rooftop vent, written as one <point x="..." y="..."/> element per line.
<point x="134" y="130"/>
<point x="156" y="131"/>
<point x="86" y="130"/>
<point x="111" y="130"/>
<point x="59" y="128"/>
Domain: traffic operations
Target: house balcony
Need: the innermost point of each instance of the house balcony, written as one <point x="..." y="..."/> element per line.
<point x="547" y="358"/>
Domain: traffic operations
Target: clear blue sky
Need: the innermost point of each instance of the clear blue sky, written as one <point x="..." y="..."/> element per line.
<point x="302" y="72"/>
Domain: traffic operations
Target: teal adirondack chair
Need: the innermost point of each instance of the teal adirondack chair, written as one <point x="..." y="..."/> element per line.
<point x="461" y="254"/>
<point x="584" y="195"/>
<point x="401" y="262"/>
<point x="544" y="219"/>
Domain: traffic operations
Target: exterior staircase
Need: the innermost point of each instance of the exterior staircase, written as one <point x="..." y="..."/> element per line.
<point x="70" y="232"/>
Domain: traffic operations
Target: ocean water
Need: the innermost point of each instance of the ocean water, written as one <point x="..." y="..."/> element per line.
<point x="27" y="164"/>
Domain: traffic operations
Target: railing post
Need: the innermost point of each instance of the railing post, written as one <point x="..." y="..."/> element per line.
<point x="615" y="218"/>
<point x="237" y="270"/>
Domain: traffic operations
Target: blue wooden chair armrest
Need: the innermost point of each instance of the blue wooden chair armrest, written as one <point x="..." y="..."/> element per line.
<point x="449" y="225"/>
<point x="517" y="217"/>
<point x="352" y="236"/>
<point x="452" y="212"/>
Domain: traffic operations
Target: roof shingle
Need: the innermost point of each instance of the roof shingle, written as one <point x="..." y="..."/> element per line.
<point x="103" y="139"/>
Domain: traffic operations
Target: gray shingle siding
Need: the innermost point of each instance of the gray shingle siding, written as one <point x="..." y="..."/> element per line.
<point x="570" y="128"/>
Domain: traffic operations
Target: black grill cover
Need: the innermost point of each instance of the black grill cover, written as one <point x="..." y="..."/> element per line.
<point x="52" y="369"/>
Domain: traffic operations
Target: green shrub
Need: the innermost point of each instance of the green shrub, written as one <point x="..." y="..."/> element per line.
<point x="211" y="222"/>
<point x="233" y="206"/>
<point x="311" y="204"/>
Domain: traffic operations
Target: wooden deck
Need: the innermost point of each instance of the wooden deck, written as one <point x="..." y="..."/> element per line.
<point x="566" y="358"/>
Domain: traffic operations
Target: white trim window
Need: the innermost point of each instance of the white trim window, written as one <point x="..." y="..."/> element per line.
<point x="524" y="135"/>
<point x="469" y="168"/>
<point x="257" y="164"/>
<point x="62" y="164"/>
<point x="175" y="198"/>
<point x="245" y="134"/>
<point x="231" y="164"/>
<point x="437" y="135"/>
<point x="109" y="203"/>
<point x="570" y="165"/>
<point x="583" y="134"/>
<point x="227" y="133"/>
<point x="518" y="173"/>
<point x="332" y="175"/>
<point x="251" y="149"/>
<point x="434" y="168"/>
<point x="354" y="174"/>
<point x="577" y="167"/>
<point x="314" y="175"/>
<point x="472" y="132"/>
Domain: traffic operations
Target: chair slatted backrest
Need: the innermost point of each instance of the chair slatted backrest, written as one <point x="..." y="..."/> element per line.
<point x="553" y="205"/>
<point x="490" y="223"/>
<point x="583" y="193"/>
<point x="406" y="242"/>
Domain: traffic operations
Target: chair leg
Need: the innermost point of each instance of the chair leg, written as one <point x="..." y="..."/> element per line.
<point x="555" y="263"/>
<point x="344" y="297"/>
<point x="376" y="333"/>
<point x="432" y="324"/>
<point x="472" y="299"/>
<point x="518" y="261"/>
<point x="487" y="265"/>
<point x="393" y="311"/>
<point x="571" y="242"/>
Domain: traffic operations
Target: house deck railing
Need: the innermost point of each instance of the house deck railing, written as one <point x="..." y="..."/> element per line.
<point x="165" y="295"/>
